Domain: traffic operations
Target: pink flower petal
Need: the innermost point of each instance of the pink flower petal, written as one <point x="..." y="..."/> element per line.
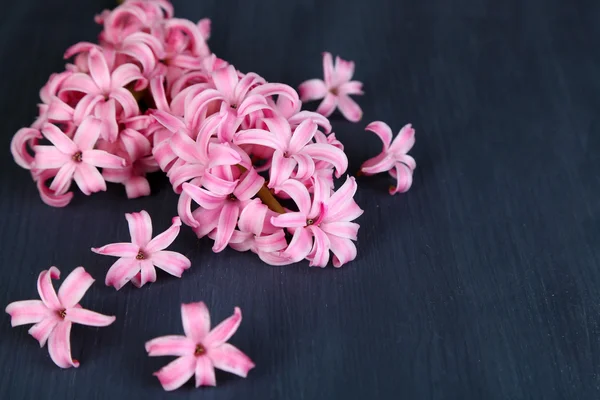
<point x="74" y="287"/>
<point x="49" y="157"/>
<point x="106" y="112"/>
<point x="222" y="332"/>
<point x="344" y="70"/>
<point x="281" y="169"/>
<point x="382" y="130"/>
<point x="205" y="372"/>
<point x="218" y="186"/>
<point x="88" y="179"/>
<point x="349" y="109"/>
<point x="87" y="134"/>
<point x="121" y="272"/>
<point x="328" y="70"/>
<point x="305" y="164"/>
<point x="86" y="107"/>
<point x="172" y="345"/>
<point x="252" y="217"/>
<point x="27" y="312"/>
<point x="302" y="135"/>
<point x="404" y="179"/>
<point x="102" y="159"/>
<point x="404" y="141"/>
<point x="140" y="227"/>
<point x="165" y="239"/>
<point x="312" y="89"/>
<point x="46" y="290"/>
<point x="227" y="222"/>
<point x="184" y="147"/>
<point x="59" y="139"/>
<point x="87" y="317"/>
<point x="99" y="69"/>
<point x="124" y="75"/>
<point x="63" y="179"/>
<point x="229" y="359"/>
<point x="271" y="243"/>
<point x="348" y="230"/>
<point x="60" y="111"/>
<point x="126" y="100"/>
<point x="42" y="330"/>
<point x="80" y="82"/>
<point x="319" y="255"/>
<point x="207" y="220"/>
<point x="157" y="89"/>
<point x="251" y="182"/>
<point x="352" y="87"/>
<point x="225" y="81"/>
<point x="173" y="375"/>
<point x="299" y="246"/>
<point x="128" y="250"/>
<point x="196" y="321"/>
<point x="59" y="346"/>
<point x="327" y="106"/>
<point x="377" y="164"/>
<point x="258" y="137"/>
<point x="147" y="274"/>
<point x="330" y="154"/>
<point x="137" y="186"/>
<point x="19" y="145"/>
<point x="289" y="220"/>
<point x="343" y="250"/>
<point x="203" y="197"/>
<point x="47" y="195"/>
<point x="171" y="262"/>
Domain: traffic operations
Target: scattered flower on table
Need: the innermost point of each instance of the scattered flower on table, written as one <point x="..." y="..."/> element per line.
<point x="54" y="314"/>
<point x="200" y="351"/>
<point x="393" y="157"/>
<point x="137" y="259"/>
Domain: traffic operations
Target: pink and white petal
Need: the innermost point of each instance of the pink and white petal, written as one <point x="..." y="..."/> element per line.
<point x="319" y="255"/>
<point x="258" y="137"/>
<point x="142" y="54"/>
<point x="185" y="147"/>
<point x="89" y="179"/>
<point x="348" y="230"/>
<point x="349" y="109"/>
<point x="352" y="87"/>
<point x="218" y="186"/>
<point x="27" y="312"/>
<point x="59" y="139"/>
<point x="205" y="372"/>
<point x="276" y="258"/>
<point x="46" y="290"/>
<point x="343" y="250"/>
<point x="278" y="89"/>
<point x="169" y="121"/>
<point x="299" y="246"/>
<point x="171" y="262"/>
<point x="99" y="69"/>
<point x="380" y="163"/>
<point x="408" y="161"/>
<point x="250" y="183"/>
<point x="184" y="209"/>
<point x="157" y="89"/>
<point x="80" y="82"/>
<point x="164" y="240"/>
<point x="128" y="250"/>
<point x="222" y="154"/>
<point x="121" y="272"/>
<point x="196" y="321"/>
<point x="171" y="345"/>
<point x="302" y="135"/>
<point x="404" y="141"/>
<point x="316" y="117"/>
<point x="252" y="217"/>
<point x="404" y="179"/>
<point x="330" y="154"/>
<point x="271" y="243"/>
<point x="102" y="159"/>
<point x="42" y="330"/>
<point x="384" y="132"/>
<point x="222" y="332"/>
<point x="312" y="89"/>
<point x="328" y="70"/>
<point x="147" y="274"/>
<point x="126" y="100"/>
<point x="59" y="345"/>
<point x="140" y="227"/>
<point x="86" y="107"/>
<point x="343" y="70"/>
<point x="225" y="80"/>
<point x="63" y="179"/>
<point x="86" y="317"/>
<point x="135" y="144"/>
<point x="203" y="197"/>
<point x="49" y="157"/>
<point x="137" y="186"/>
<point x="281" y="169"/>
<point x="106" y="111"/>
<point x="207" y="221"/>
<point x="298" y="192"/>
<point x="74" y="286"/>
<point x="181" y="173"/>
<point x="227" y="222"/>
<point x="289" y="220"/>
<point x="124" y="75"/>
<point x="19" y="146"/>
<point x="173" y="375"/>
<point x="327" y="106"/>
<point x="306" y="166"/>
<point x="87" y="134"/>
<point x="60" y="111"/>
<point x="230" y="359"/>
<point x="342" y="195"/>
<point x="48" y="196"/>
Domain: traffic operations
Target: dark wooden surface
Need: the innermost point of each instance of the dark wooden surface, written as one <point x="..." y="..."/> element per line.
<point x="483" y="282"/>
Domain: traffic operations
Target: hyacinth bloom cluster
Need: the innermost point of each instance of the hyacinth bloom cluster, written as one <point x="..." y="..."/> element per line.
<point x="201" y="350"/>
<point x="54" y="314"/>
<point x="393" y="157"/>
<point x="236" y="148"/>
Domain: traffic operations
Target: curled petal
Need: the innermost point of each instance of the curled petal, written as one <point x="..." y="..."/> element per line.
<point x="157" y="88"/>
<point x="377" y="164"/>
<point x="137" y="186"/>
<point x="203" y="197"/>
<point x="165" y="239"/>
<point x="328" y="70"/>
<point x="298" y="192"/>
<point x="299" y="246"/>
<point x="19" y="145"/>
<point x="102" y="159"/>
<point x="140" y="227"/>
<point x="227" y="221"/>
<point x="343" y="250"/>
<point x="196" y="320"/>
<point x="312" y="89"/>
<point x="46" y="290"/>
<point x="404" y="141"/>
<point x="172" y="345"/>
<point x="252" y="217"/>
<point x="128" y="250"/>
<point x="89" y="318"/>
<point x="80" y="82"/>
<point x="176" y="373"/>
<point x="229" y="359"/>
<point x="306" y="166"/>
<point x="147" y="274"/>
<point x="87" y="134"/>
<point x="404" y="178"/>
<point x="382" y="130"/>
<point x="352" y="87"/>
<point x="281" y="169"/>
<point x="42" y="330"/>
<point x="126" y="100"/>
<point x="302" y="135"/>
<point x="344" y="70"/>
<point x="106" y="111"/>
<point x="74" y="287"/>
<point x="330" y="154"/>
<point x="271" y="243"/>
<point x="60" y="111"/>
<point x="279" y="89"/>
<point x="320" y="120"/>
<point x="49" y="196"/>
<point x="49" y="157"/>
<point x="121" y="272"/>
<point x="99" y="69"/>
<point x="218" y="186"/>
<point x="222" y="332"/>
<point x="88" y="179"/>
<point x="27" y="312"/>
<point x="171" y="262"/>
<point x="59" y="345"/>
<point x="349" y="109"/>
<point x="319" y="255"/>
<point x="258" y="137"/>
<point x="249" y="185"/>
<point x="85" y="108"/>
<point x="327" y="106"/>
<point x="124" y="75"/>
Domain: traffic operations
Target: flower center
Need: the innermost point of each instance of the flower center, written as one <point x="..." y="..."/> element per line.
<point x="234" y="106"/>
<point x="200" y="350"/>
<point x="77" y="157"/>
<point x="140" y="255"/>
<point x="232" y="197"/>
<point x="62" y="313"/>
<point x="334" y="91"/>
<point x="310" y="221"/>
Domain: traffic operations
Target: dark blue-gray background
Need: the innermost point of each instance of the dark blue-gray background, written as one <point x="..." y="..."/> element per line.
<point x="482" y="282"/>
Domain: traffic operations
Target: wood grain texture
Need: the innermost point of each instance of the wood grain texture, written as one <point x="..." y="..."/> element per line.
<point x="483" y="282"/>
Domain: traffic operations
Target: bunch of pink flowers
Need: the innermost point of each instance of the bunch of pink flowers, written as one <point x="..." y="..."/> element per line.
<point x="151" y="96"/>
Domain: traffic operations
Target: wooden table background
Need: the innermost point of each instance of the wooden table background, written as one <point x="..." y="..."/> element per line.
<point x="482" y="282"/>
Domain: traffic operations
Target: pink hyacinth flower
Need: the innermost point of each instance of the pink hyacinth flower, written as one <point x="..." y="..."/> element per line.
<point x="335" y="89"/>
<point x="393" y="157"/>
<point x="137" y="259"/>
<point x="54" y="314"/>
<point x="201" y="350"/>
<point x="321" y="224"/>
<point x="75" y="158"/>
